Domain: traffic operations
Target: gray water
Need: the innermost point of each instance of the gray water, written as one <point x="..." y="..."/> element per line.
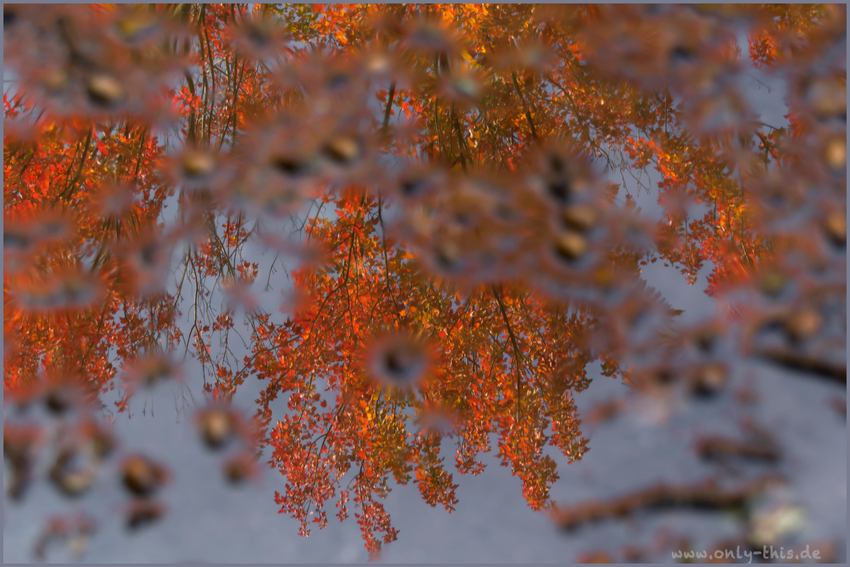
<point x="210" y="521"/>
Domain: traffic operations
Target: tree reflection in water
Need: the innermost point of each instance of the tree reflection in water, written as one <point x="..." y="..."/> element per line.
<point x="449" y="197"/>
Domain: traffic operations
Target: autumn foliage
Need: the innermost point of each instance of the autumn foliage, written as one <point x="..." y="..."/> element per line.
<point x="434" y="189"/>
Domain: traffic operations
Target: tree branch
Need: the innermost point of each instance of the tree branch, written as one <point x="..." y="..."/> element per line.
<point x="517" y="353"/>
<point x="525" y="107"/>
